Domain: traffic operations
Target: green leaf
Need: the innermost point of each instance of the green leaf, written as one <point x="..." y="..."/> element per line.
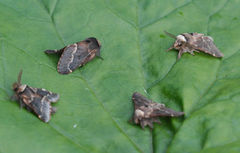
<point x="95" y="103"/>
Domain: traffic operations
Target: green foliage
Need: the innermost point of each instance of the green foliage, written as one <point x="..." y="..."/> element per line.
<point x="95" y="103"/>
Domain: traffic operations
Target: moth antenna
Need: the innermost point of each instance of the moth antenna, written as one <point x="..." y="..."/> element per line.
<point x="170" y="35"/>
<point x="169" y="48"/>
<point x="100" y="57"/>
<point x="99" y="44"/>
<point x="130" y="121"/>
<point x="19" y="77"/>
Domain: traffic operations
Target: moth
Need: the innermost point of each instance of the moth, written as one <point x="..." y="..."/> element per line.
<point x="189" y="42"/>
<point x="146" y="112"/>
<point x="76" y="55"/>
<point x="36" y="100"/>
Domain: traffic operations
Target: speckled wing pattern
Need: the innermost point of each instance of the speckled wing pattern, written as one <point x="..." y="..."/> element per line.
<point x="190" y="42"/>
<point x="73" y="57"/>
<point x="146" y="112"/>
<point x="66" y="59"/>
<point x="39" y="101"/>
<point x="76" y="55"/>
<point x="202" y="43"/>
<point x="205" y="44"/>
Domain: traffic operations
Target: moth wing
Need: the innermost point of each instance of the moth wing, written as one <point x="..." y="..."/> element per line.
<point x="80" y="58"/>
<point x="164" y="111"/>
<point x="27" y="96"/>
<point x="66" y="58"/>
<point x="206" y="45"/>
<point x="51" y="97"/>
<point x="72" y="57"/>
<point x="41" y="107"/>
<point x="39" y="101"/>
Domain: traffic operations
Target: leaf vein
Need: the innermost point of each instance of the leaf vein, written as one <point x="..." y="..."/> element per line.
<point x="211" y="84"/>
<point x="54" y="8"/>
<point x="67" y="137"/>
<point x="119" y="16"/>
<point x="106" y="111"/>
<point x="158" y="19"/>
<point x="93" y="93"/>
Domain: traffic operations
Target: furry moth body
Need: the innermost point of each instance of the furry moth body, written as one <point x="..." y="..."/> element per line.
<point x="189" y="42"/>
<point x="76" y="55"/>
<point x="146" y="112"/>
<point x="35" y="100"/>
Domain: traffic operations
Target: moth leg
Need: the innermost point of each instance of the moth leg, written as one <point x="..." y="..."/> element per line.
<point x="143" y="124"/>
<point x="191" y="52"/>
<point x="180" y="53"/>
<point x="156" y="120"/>
<point x="153" y="120"/>
<point x="60" y="51"/>
<point x="130" y="120"/>
<point x="21" y="104"/>
<point x="28" y="108"/>
<point x="14" y="97"/>
<point x="169" y="48"/>
<point x="150" y="124"/>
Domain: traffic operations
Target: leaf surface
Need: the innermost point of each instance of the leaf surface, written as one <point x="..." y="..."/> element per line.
<point x="95" y="103"/>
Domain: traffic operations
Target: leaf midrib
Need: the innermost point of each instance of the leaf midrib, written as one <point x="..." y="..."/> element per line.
<point x="138" y="28"/>
<point x="90" y="88"/>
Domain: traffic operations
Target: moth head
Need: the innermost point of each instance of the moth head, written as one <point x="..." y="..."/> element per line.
<point x="180" y="40"/>
<point x="15" y="86"/>
<point x="18" y="88"/>
<point x="94" y="44"/>
<point x="139" y="113"/>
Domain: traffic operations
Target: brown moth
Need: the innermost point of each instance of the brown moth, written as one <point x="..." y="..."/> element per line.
<point x="36" y="100"/>
<point x="76" y="55"/>
<point x="146" y="112"/>
<point x="189" y="42"/>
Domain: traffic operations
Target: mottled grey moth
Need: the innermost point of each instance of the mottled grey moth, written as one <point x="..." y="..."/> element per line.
<point x="36" y="100"/>
<point x="146" y="112"/>
<point x="189" y="42"/>
<point x="76" y="55"/>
